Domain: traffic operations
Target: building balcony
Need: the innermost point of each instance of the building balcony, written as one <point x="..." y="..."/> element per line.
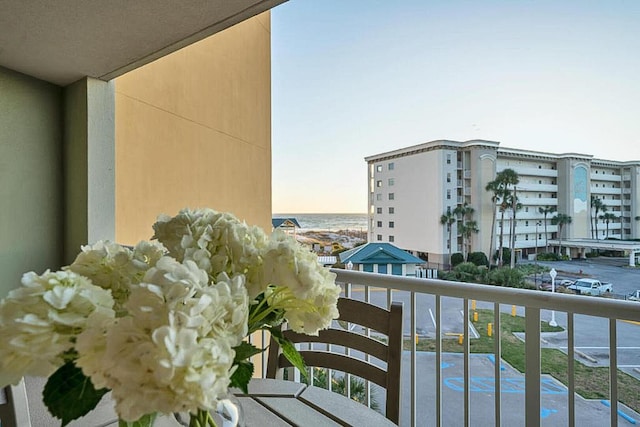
<point x="605" y="177"/>
<point x="605" y="190"/>
<point x="524" y="171"/>
<point x="548" y="188"/>
<point x="538" y="201"/>
<point x="442" y="388"/>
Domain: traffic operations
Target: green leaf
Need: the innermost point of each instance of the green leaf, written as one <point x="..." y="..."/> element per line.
<point x="145" y="421"/>
<point x="245" y="351"/>
<point x="69" y="394"/>
<point x="290" y="352"/>
<point x="242" y="376"/>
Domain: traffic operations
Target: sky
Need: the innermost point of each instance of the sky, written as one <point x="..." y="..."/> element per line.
<point x="354" y="78"/>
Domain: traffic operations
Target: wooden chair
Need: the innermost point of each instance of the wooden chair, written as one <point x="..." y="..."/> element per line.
<point x="387" y="322"/>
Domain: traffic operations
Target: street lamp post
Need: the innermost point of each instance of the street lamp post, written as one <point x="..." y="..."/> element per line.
<point x="553" y="273"/>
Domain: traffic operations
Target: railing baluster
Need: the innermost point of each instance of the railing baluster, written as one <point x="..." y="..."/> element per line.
<point x="414" y="418"/>
<point x="497" y="354"/>
<point x="438" y="362"/>
<point x="613" y="371"/>
<point x="571" y="370"/>
<point x="532" y="366"/>
<point x="465" y="328"/>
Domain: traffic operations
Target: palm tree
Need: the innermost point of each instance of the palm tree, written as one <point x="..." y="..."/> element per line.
<point x="493" y="187"/>
<point x="464" y="212"/>
<point x="468" y="229"/>
<point x="608" y="217"/>
<point x="546" y="211"/>
<point x="596" y="205"/>
<point x="505" y="179"/>
<point x="447" y="220"/>
<point x="515" y="207"/>
<point x="561" y="220"/>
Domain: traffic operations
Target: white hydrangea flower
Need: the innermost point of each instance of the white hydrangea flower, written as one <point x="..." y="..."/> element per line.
<point x="217" y="242"/>
<point x="40" y="320"/>
<point x="173" y="352"/>
<point x="303" y="288"/>
<point x="115" y="267"/>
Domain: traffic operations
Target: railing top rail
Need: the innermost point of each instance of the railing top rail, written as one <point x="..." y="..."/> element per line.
<point x="602" y="307"/>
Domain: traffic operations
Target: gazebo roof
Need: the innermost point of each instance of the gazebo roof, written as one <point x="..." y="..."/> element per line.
<point x="284" y="222"/>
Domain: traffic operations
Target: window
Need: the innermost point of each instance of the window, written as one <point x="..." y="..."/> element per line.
<point x="392" y="196"/>
<point x="379" y="237"/>
<point x="448" y="194"/>
<point x="391" y="166"/>
<point x="392" y="210"/>
<point x="379" y="196"/>
<point x="379" y="168"/>
<point x="391" y="224"/>
<point x="392" y="238"/>
<point x="448" y="177"/>
<point x="391" y="181"/>
<point x="379" y="210"/>
<point x="379" y="183"/>
<point x="379" y="223"/>
<point x="539" y="181"/>
<point x="448" y="159"/>
<point x="539" y="196"/>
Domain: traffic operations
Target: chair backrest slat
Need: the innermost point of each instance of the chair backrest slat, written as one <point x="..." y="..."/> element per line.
<point x="345" y="339"/>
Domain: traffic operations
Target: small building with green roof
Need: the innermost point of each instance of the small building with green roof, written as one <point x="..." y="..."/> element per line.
<point x="383" y="258"/>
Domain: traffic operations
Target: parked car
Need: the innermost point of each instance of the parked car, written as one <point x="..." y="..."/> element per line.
<point x="634" y="296"/>
<point x="590" y="287"/>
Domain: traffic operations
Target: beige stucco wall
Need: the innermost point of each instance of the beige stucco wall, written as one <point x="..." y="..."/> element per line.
<point x="193" y="129"/>
<point x="31" y="193"/>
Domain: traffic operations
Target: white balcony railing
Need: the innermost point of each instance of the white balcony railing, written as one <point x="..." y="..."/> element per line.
<point x="387" y="288"/>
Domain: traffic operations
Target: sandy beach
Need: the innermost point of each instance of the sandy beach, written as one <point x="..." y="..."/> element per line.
<point x="325" y="239"/>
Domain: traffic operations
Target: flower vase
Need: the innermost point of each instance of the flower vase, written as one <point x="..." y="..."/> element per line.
<point x="228" y="413"/>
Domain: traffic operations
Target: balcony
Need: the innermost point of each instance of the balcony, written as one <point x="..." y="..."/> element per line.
<point x="606" y="190"/>
<point x="432" y="396"/>
<point x="529" y="171"/>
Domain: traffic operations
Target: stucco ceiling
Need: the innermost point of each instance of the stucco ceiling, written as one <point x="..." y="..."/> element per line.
<point x="61" y="41"/>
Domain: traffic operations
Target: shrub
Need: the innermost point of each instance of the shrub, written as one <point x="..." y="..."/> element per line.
<point x="478" y="258"/>
<point x="506" y="276"/>
<point x="456" y="259"/>
<point x="548" y="256"/>
<point x="466" y="272"/>
<point x="506" y="256"/>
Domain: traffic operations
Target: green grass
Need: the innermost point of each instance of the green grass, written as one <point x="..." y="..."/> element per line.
<point x="590" y="382"/>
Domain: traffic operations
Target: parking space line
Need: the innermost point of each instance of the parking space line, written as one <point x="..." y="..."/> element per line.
<point x="622" y="414"/>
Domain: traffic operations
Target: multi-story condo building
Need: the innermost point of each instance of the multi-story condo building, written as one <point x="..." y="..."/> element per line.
<point x="411" y="188"/>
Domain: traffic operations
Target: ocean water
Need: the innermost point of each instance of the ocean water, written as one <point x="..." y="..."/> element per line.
<point x="329" y="222"/>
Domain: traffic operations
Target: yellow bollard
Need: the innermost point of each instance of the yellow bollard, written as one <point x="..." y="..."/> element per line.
<point x="475" y="316"/>
<point x="473" y="304"/>
<point x="490" y="329"/>
<point x="513" y="310"/>
<point x="460" y="338"/>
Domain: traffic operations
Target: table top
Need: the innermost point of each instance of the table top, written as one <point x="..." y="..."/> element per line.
<point x="285" y="403"/>
<point x="269" y="403"/>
